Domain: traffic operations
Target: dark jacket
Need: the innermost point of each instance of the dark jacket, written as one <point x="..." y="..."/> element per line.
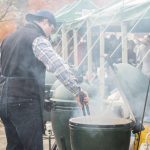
<point x="24" y="72"/>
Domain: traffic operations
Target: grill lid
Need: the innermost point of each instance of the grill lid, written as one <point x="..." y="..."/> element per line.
<point x="133" y="85"/>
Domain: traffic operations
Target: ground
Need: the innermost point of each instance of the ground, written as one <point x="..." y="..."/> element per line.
<point x="3" y="139"/>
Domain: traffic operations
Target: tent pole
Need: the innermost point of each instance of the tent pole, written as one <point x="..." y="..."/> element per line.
<point x="64" y="44"/>
<point x="102" y="62"/>
<point x="75" y="40"/>
<point x="89" y="45"/>
<point x="124" y="43"/>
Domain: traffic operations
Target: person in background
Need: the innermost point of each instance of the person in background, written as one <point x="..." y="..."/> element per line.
<point x="143" y="55"/>
<point x="112" y="44"/>
<point x="131" y="53"/>
<point x="143" y="63"/>
<point x="25" y="56"/>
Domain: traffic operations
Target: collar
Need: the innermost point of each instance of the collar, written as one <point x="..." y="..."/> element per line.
<point x="37" y="27"/>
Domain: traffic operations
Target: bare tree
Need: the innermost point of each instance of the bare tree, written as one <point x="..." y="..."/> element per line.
<point x="9" y="6"/>
<point x="5" y="6"/>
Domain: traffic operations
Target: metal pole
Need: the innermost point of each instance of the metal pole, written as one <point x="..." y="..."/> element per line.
<point x="102" y="61"/>
<point x="141" y="125"/>
<point x="124" y="43"/>
<point x="64" y="43"/>
<point x="75" y="47"/>
<point x="89" y="45"/>
<point x="49" y="140"/>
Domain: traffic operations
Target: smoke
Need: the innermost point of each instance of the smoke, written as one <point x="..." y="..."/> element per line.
<point x="109" y="107"/>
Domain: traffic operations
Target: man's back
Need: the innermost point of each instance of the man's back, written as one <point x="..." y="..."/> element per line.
<point x="143" y="54"/>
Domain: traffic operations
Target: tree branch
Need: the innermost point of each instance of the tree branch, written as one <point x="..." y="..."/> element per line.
<point x="9" y="4"/>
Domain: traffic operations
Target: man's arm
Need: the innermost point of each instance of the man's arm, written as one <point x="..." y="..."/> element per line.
<point x="44" y="52"/>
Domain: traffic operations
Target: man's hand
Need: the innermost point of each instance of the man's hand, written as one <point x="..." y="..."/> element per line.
<point x="82" y="98"/>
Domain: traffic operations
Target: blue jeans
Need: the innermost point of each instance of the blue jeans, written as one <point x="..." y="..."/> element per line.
<point x="23" y="123"/>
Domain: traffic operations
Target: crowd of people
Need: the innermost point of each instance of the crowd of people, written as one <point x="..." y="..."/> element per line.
<point x="138" y="54"/>
<point x="138" y="46"/>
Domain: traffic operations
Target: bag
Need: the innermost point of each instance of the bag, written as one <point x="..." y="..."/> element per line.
<point x="146" y="145"/>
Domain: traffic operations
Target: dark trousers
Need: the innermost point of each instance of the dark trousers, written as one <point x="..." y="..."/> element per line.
<point x="23" y="123"/>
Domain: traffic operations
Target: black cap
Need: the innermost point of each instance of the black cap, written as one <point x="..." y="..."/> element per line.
<point x="42" y="14"/>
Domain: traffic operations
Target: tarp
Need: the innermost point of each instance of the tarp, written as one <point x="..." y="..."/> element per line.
<point x="75" y="10"/>
<point x="127" y="11"/>
<point x="133" y="12"/>
<point x="120" y="12"/>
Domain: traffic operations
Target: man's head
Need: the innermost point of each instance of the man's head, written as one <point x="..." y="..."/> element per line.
<point x="45" y="19"/>
<point x="146" y="39"/>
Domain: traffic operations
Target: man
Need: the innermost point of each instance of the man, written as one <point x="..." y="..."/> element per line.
<point x="143" y="55"/>
<point x="25" y="55"/>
